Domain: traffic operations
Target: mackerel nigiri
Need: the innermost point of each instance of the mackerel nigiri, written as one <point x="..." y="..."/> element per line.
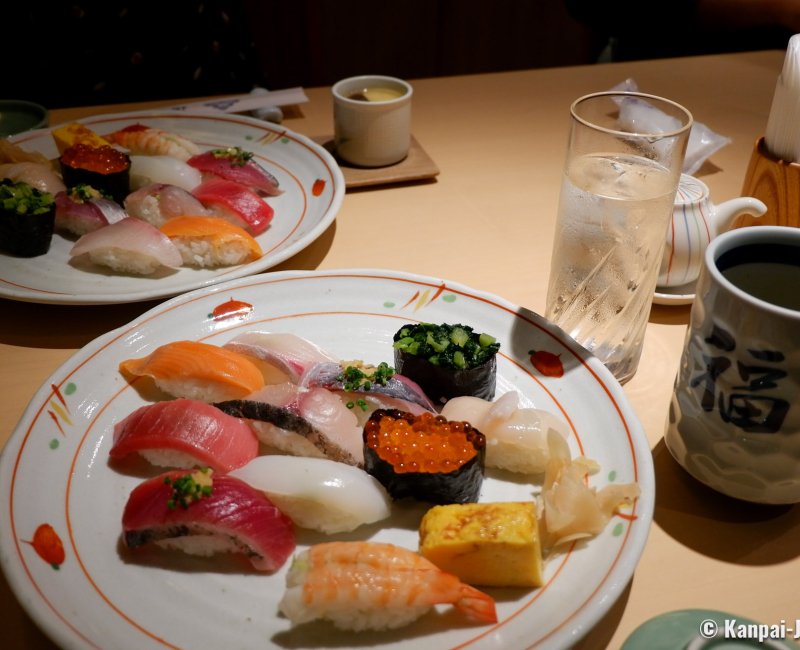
<point x="82" y="209"/>
<point x="201" y="513"/>
<point x="236" y="203"/>
<point x="235" y="164"/>
<point x="197" y="370"/>
<point x="128" y="246"/>
<point x="211" y="241"/>
<point x="185" y="433"/>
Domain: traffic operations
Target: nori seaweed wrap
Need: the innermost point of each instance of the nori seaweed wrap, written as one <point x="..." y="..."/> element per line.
<point x="27" y="219"/>
<point x="447" y="360"/>
<point x="104" y="168"/>
<point x="424" y="456"/>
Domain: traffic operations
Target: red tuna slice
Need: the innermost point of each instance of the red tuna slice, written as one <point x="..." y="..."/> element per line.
<point x="235" y="164"/>
<point x="231" y="517"/>
<point x="236" y="203"/>
<point x="191" y="431"/>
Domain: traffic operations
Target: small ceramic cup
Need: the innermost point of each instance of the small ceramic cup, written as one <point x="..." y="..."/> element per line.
<point x="372" y="120"/>
<point x="734" y="420"/>
<point x="17" y="116"/>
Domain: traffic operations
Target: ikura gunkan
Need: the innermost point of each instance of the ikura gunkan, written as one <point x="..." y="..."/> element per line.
<point x="105" y="168"/>
<point x="424" y="456"/>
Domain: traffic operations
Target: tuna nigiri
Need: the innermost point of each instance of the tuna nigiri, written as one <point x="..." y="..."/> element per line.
<point x="185" y="433"/>
<point x="211" y="241"/>
<point x="128" y="246"/>
<point x="318" y="493"/>
<point x="201" y="513"/>
<point x="373" y="586"/>
<point x="157" y="203"/>
<point x="196" y="370"/>
<point x="141" y="139"/>
<point x="236" y="203"/>
<point x="235" y="164"/>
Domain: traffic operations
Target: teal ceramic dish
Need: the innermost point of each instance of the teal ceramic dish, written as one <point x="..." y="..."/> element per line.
<point x="17" y="115"/>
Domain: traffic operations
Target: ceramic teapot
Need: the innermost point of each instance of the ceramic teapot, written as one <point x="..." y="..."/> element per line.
<point x="695" y="222"/>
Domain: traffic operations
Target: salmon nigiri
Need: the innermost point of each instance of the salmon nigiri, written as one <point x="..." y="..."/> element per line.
<point x="185" y="433"/>
<point x="235" y="164"/>
<point x="375" y="586"/>
<point x="236" y="203"/>
<point x="196" y="370"/>
<point x="211" y="241"/>
<point x="200" y="512"/>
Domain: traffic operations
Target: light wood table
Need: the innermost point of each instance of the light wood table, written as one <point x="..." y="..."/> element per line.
<point x="499" y="142"/>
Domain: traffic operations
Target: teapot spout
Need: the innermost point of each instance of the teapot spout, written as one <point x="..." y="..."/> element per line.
<point x="726" y="213"/>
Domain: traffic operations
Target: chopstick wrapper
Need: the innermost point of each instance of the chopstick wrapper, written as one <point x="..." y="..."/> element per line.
<point x="773" y="174"/>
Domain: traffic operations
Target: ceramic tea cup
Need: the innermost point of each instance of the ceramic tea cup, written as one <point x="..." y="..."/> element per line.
<point x="372" y="120"/>
<point x="734" y="420"/>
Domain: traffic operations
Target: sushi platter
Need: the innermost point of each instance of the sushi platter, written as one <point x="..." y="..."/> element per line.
<point x="63" y="552"/>
<point x="310" y="195"/>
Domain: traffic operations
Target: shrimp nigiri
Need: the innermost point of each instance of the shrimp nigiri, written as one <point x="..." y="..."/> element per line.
<point x="196" y="370"/>
<point x="141" y="139"/>
<point x="375" y="586"/>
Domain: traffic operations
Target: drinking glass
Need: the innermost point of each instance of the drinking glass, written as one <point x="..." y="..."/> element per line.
<point x="624" y="158"/>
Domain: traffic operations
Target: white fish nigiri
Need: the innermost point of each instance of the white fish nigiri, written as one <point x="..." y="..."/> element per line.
<point x="129" y="246"/>
<point x="157" y="203"/>
<point x="288" y="354"/>
<point x="163" y="169"/>
<point x="318" y="493"/>
<point x="516" y="438"/>
<point x="39" y="175"/>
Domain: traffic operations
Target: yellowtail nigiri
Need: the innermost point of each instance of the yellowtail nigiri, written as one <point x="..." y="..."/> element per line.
<point x="211" y="241"/>
<point x="196" y="370"/>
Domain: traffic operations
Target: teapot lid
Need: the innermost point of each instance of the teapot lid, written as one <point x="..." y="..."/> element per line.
<point x="690" y="190"/>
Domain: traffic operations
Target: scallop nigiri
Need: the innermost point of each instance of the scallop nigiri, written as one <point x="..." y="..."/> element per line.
<point x="201" y="513"/>
<point x="210" y="242"/>
<point x="318" y="493"/>
<point x="128" y="246"/>
<point x="141" y="139"/>
<point x="373" y="586"/>
<point x="185" y="433"/>
<point x="235" y="164"/>
<point x="236" y="203"/>
<point x="157" y="203"/>
<point x="197" y="370"/>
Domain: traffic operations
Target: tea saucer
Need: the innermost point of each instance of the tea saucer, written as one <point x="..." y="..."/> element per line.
<point x="680" y="295"/>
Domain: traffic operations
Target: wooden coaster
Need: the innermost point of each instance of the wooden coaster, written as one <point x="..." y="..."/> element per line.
<point x="417" y="166"/>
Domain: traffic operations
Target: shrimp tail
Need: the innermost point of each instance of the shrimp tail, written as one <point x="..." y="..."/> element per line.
<point x="476" y="604"/>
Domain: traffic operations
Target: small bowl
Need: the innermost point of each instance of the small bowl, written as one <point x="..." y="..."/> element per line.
<point x="17" y="115"/>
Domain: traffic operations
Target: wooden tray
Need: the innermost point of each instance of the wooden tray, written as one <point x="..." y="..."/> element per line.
<point x="417" y="166"/>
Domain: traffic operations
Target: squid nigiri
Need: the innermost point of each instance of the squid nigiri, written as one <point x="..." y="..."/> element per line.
<point x="146" y="170"/>
<point x="236" y="203"/>
<point x="185" y="433"/>
<point x="211" y="241"/>
<point x="157" y="203"/>
<point x="128" y="246"/>
<point x="318" y="493"/>
<point x="373" y="586"/>
<point x="141" y="139"/>
<point x="201" y="513"/>
<point x="197" y="370"/>
<point x="235" y="164"/>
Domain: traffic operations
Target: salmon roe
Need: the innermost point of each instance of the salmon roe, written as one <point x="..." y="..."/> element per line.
<point x="423" y="443"/>
<point x="103" y="160"/>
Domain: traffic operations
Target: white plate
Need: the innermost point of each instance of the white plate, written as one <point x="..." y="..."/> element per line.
<point x="313" y="190"/>
<point x="681" y="295"/>
<point x="54" y="471"/>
